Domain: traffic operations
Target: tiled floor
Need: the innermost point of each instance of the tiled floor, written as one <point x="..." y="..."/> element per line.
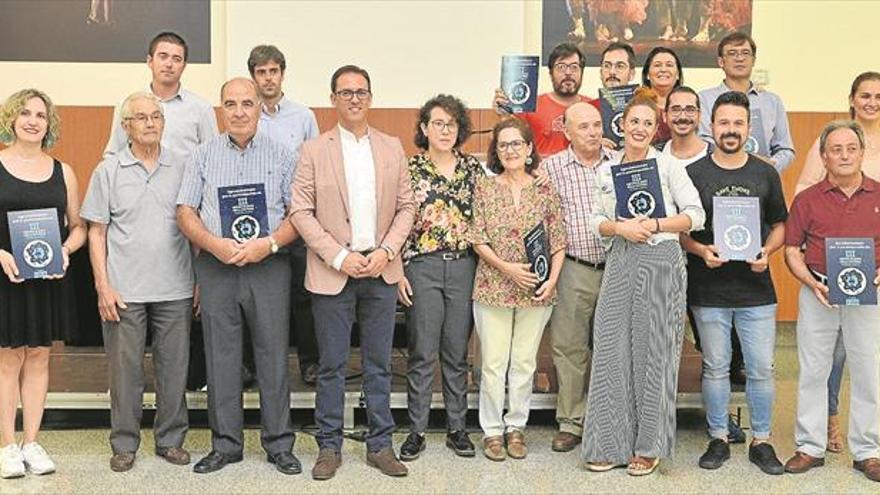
<point x="82" y="457"/>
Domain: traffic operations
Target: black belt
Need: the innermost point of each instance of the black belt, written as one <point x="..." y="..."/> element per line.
<point x="822" y="279"/>
<point x="594" y="266"/>
<point x="451" y="255"/>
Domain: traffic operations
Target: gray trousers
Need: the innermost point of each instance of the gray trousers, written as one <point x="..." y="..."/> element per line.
<point x="439" y="322"/>
<point x="817" y="331"/>
<point x="258" y="294"/>
<point x="124" y="342"/>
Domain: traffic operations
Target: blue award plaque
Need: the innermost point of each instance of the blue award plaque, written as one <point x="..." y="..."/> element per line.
<point x="36" y="242"/>
<point x="637" y="188"/>
<point x="736" y="226"/>
<point x="756" y="143"/>
<point x="243" y="212"/>
<point x="538" y="252"/>
<point x="612" y="101"/>
<point x="519" y="80"/>
<point x="851" y="270"/>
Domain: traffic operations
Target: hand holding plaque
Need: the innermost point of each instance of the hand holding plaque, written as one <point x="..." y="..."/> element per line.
<point x="736" y="226"/>
<point x="638" y="190"/>
<point x="538" y="253"/>
<point x="519" y="80"/>
<point x="36" y="243"/>
<point x="243" y="215"/>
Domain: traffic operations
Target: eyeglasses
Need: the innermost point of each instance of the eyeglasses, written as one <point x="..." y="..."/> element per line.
<point x="347" y="94"/>
<point x="440" y="125"/>
<point x="142" y="118"/>
<point x="515" y="145"/>
<point x="621" y="66"/>
<point x="573" y="67"/>
<point x="688" y="110"/>
<point x="746" y="53"/>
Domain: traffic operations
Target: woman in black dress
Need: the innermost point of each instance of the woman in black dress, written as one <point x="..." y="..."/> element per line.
<point x="31" y="311"/>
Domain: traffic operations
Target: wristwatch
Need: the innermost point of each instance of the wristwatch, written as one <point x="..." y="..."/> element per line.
<point x="389" y="251"/>
<point x="273" y="246"/>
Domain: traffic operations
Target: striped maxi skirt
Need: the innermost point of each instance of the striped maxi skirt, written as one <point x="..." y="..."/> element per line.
<point x="638" y="334"/>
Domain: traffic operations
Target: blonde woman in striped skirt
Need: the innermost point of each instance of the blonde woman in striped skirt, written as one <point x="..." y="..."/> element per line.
<point x="630" y="416"/>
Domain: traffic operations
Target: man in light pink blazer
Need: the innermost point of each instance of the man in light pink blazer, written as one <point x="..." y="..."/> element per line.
<point x="353" y="206"/>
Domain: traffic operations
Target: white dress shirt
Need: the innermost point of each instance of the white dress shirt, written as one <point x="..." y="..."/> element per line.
<point x="360" y="179"/>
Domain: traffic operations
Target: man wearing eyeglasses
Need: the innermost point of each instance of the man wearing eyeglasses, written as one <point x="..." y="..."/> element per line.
<point x="618" y="66"/>
<point x="683" y="116"/>
<point x="566" y="65"/>
<point x="189" y="119"/>
<point x="724" y="294"/>
<point x="354" y="206"/>
<point x="143" y="277"/>
<point x="770" y="137"/>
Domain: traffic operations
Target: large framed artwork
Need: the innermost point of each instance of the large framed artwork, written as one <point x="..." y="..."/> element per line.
<point x="100" y="30"/>
<point x="691" y="28"/>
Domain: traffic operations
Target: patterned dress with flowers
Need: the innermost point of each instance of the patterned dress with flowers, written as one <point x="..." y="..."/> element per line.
<point x="445" y="206"/>
<point x="502" y="225"/>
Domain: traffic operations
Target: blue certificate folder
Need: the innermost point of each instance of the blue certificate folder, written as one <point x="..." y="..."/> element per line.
<point x="243" y="212"/>
<point x="638" y="190"/>
<point x="757" y="143"/>
<point x="519" y="80"/>
<point x="612" y="101"/>
<point x="736" y="226"/>
<point x="36" y="242"/>
<point x="851" y="270"/>
<point x="538" y="252"/>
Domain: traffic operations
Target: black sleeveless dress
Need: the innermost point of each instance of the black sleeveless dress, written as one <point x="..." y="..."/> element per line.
<point x="34" y="312"/>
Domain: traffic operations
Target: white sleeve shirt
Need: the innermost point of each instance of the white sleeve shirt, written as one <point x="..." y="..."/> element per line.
<point x="360" y="179"/>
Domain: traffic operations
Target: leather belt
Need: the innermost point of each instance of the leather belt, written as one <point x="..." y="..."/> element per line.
<point x="822" y="279"/>
<point x="451" y="255"/>
<point x="594" y="266"/>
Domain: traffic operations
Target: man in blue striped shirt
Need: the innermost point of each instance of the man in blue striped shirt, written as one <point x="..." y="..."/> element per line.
<point x="232" y="205"/>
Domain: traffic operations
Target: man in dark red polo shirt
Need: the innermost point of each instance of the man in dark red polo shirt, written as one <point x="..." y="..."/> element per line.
<point x="845" y="204"/>
<point x="566" y="65"/>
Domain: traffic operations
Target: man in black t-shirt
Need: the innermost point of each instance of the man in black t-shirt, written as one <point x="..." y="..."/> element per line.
<point x="724" y="294"/>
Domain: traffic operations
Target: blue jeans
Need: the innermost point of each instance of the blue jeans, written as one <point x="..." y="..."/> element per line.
<point x="836" y="376"/>
<point x="756" y="327"/>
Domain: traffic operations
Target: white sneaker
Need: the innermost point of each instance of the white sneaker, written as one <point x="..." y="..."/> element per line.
<point x="36" y="459"/>
<point x="11" y="462"/>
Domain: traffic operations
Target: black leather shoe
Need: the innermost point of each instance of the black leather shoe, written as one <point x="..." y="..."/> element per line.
<point x="215" y="461"/>
<point x="285" y="462"/>
<point x="412" y="447"/>
<point x="763" y="456"/>
<point x="735" y="433"/>
<point x="460" y="443"/>
<point x="716" y="453"/>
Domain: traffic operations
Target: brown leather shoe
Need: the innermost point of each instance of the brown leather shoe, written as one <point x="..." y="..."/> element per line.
<point x="328" y="462"/>
<point x="122" y="462"/>
<point x="493" y="448"/>
<point x="174" y="455"/>
<point x="565" y="442"/>
<point x="516" y="444"/>
<point x="387" y="462"/>
<point x="801" y="463"/>
<point x="869" y="466"/>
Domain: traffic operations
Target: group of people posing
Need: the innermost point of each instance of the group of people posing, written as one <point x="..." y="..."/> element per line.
<point x="354" y="227"/>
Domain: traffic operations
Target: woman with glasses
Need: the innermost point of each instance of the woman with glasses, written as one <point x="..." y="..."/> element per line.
<point x="439" y="271"/>
<point x="662" y="72"/>
<point x="864" y="108"/>
<point x="639" y="323"/>
<point x="511" y="308"/>
<point x="32" y="312"/>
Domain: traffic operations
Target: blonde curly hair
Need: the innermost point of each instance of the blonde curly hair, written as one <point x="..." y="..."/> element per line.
<point x="12" y="108"/>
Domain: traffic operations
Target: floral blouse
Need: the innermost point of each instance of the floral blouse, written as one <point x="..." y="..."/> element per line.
<point x="498" y="223"/>
<point x="445" y="206"/>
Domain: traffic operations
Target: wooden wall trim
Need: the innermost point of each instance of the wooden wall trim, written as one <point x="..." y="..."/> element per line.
<point x="85" y="131"/>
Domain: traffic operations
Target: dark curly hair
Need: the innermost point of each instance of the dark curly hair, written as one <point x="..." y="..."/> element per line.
<point x="455" y="108"/>
<point x="494" y="161"/>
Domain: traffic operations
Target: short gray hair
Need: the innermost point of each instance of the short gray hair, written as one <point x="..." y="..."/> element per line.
<point x="841" y="124"/>
<point x="125" y="109"/>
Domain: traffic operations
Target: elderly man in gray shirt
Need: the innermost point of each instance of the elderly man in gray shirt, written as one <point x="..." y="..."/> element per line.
<point x="232" y="205"/>
<point x="143" y="276"/>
